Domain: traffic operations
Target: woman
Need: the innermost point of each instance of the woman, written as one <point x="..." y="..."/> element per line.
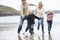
<point x="49" y="20"/>
<point x="39" y="12"/>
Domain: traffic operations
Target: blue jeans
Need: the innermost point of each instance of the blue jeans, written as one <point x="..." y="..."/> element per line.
<point x="41" y="21"/>
<point x="49" y="25"/>
<point x="21" y="23"/>
<point x="30" y="27"/>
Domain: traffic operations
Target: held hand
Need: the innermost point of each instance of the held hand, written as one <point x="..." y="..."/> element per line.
<point x="41" y="14"/>
<point x="22" y="16"/>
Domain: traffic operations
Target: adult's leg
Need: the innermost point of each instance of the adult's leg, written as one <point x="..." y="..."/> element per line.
<point x="20" y="25"/>
<point x="39" y="21"/>
<point x="25" y="18"/>
<point x="42" y="24"/>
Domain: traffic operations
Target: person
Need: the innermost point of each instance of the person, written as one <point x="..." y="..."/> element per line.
<point x="31" y="22"/>
<point x="39" y="12"/>
<point x="23" y="13"/>
<point x="49" y="20"/>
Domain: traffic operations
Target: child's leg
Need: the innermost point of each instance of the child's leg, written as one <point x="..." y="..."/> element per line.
<point x="50" y="25"/>
<point x="31" y="29"/>
<point x="28" y="26"/>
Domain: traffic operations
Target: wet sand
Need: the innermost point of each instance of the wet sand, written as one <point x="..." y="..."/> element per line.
<point x="8" y="31"/>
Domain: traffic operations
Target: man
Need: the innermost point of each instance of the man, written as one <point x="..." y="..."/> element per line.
<point x="23" y="13"/>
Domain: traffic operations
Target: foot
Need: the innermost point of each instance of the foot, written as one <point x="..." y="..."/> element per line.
<point x="38" y="28"/>
<point x="32" y="33"/>
<point x="49" y="32"/>
<point x="31" y="36"/>
<point x="19" y="33"/>
<point x="23" y="33"/>
<point x="19" y="37"/>
<point x="43" y="32"/>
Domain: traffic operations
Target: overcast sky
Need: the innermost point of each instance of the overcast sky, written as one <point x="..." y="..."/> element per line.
<point x="48" y="4"/>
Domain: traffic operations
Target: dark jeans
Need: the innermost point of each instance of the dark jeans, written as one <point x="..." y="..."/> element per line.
<point x="49" y="25"/>
<point x="30" y="27"/>
<point x="21" y="23"/>
<point x="41" y="21"/>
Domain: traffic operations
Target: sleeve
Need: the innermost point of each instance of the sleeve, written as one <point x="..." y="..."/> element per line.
<point x="21" y="11"/>
<point x="52" y="15"/>
<point x="36" y="17"/>
<point x="26" y="17"/>
<point x="35" y="11"/>
<point x="43" y="11"/>
<point x="30" y="4"/>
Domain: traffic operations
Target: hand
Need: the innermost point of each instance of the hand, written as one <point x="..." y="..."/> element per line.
<point x="41" y="14"/>
<point x="23" y="16"/>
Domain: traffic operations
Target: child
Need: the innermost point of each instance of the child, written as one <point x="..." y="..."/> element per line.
<point x="49" y="20"/>
<point x="31" y="22"/>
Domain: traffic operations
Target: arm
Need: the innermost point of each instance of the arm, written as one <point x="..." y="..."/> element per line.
<point x="36" y="17"/>
<point x="43" y="11"/>
<point x="35" y="11"/>
<point x="21" y="11"/>
<point x="52" y="15"/>
<point x="26" y="17"/>
<point x="32" y="5"/>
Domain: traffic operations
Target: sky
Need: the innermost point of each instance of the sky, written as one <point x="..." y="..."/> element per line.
<point x="48" y="4"/>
